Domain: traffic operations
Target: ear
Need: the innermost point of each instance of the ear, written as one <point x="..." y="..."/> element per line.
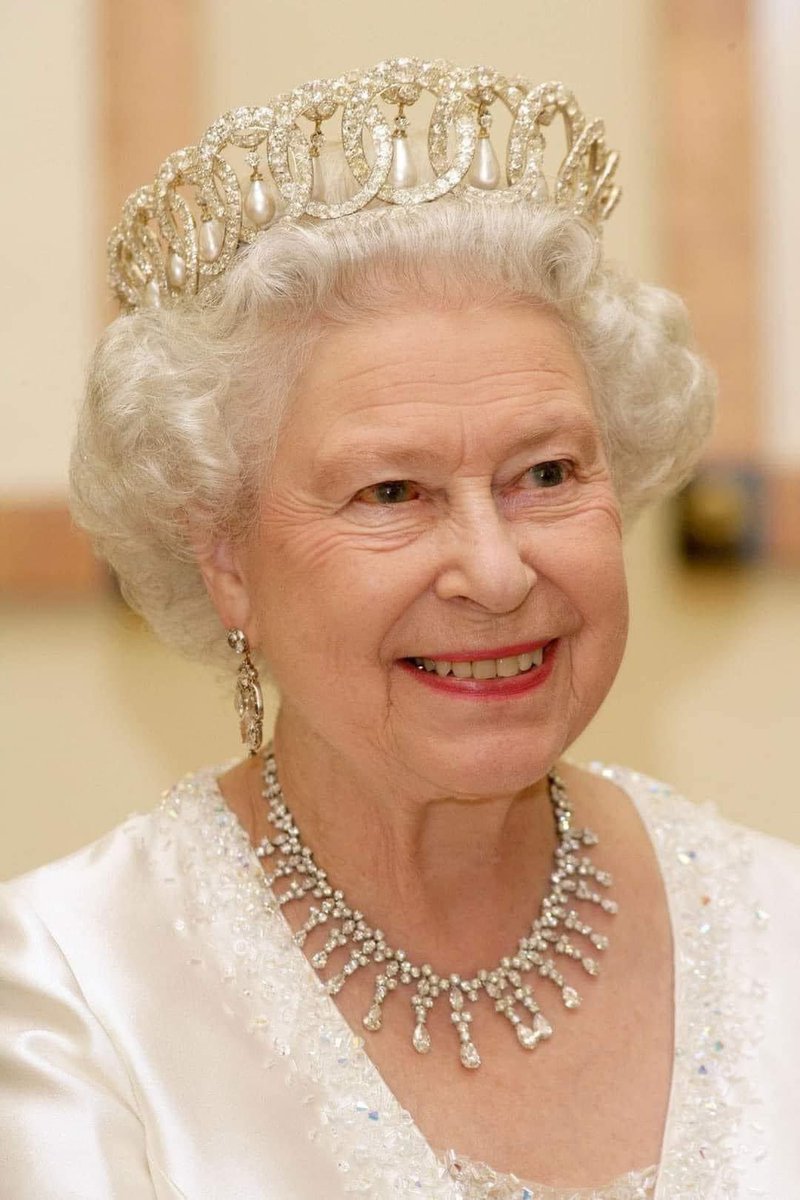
<point x="222" y="570"/>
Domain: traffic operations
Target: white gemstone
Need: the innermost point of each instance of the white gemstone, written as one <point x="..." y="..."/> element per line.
<point x="403" y="173"/>
<point x="590" y="966"/>
<point x="335" y="983"/>
<point x="209" y="242"/>
<point x="421" y="1039"/>
<point x="485" y="169"/>
<point x="528" y="1038"/>
<point x="570" y="997"/>
<point x="373" y="1019"/>
<point x="469" y="1056"/>
<point x="541" y="1026"/>
<point x="176" y="270"/>
<point x="259" y="206"/>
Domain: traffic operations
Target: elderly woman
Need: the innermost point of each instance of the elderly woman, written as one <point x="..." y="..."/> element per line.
<point x="378" y="428"/>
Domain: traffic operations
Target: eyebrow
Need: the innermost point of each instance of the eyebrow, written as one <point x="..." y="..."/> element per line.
<point x="399" y="458"/>
<point x="397" y="455"/>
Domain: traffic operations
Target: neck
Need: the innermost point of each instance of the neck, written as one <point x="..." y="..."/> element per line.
<point x="454" y="880"/>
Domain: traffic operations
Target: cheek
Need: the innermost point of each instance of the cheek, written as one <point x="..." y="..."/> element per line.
<point x="587" y="569"/>
<point x="321" y="592"/>
<point x="584" y="560"/>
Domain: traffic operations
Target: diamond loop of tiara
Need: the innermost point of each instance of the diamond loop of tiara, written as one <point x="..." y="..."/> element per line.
<point x="181" y="233"/>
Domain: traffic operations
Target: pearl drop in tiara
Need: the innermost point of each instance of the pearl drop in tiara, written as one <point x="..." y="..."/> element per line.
<point x="179" y="234"/>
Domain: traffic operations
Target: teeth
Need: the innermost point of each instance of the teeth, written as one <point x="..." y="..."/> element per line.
<point x="483" y="668"/>
<point x="506" y="667"/>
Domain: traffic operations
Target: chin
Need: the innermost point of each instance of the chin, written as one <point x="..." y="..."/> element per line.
<point x="490" y="765"/>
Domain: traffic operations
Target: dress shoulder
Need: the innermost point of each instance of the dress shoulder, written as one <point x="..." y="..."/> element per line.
<point x="64" y="1087"/>
<point x="87" y="971"/>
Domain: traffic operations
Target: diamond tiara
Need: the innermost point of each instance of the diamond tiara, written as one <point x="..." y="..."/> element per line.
<point x="179" y="235"/>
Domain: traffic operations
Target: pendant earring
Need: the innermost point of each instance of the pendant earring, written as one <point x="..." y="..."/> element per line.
<point x="248" y="699"/>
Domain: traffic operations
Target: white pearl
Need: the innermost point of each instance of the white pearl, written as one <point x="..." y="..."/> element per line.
<point x="176" y="270"/>
<point x="152" y="295"/>
<point x="402" y="173"/>
<point x="209" y="242"/>
<point x="259" y="206"/>
<point x="485" y="169"/>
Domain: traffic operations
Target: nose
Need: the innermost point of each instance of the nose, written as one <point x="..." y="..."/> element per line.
<point x="483" y="561"/>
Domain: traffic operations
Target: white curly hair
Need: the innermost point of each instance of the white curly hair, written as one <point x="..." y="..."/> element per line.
<point x="183" y="408"/>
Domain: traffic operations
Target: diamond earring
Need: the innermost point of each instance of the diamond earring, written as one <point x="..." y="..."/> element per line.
<point x="248" y="699"/>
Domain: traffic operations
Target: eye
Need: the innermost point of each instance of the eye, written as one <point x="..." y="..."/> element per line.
<point x="394" y="491"/>
<point x="549" y="474"/>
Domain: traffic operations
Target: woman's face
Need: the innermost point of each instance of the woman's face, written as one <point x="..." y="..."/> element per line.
<point x="441" y="493"/>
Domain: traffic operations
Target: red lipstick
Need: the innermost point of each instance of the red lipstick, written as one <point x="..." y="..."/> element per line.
<point x="482" y="655"/>
<point x="487" y="689"/>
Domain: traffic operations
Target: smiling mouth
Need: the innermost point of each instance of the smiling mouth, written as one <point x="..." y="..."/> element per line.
<point x="505" y="667"/>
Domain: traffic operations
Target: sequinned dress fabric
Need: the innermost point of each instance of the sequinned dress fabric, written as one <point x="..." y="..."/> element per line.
<point x="162" y="1036"/>
<point x="478" y="1181"/>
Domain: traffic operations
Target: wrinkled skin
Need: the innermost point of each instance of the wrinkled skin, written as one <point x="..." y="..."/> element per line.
<point x="482" y="547"/>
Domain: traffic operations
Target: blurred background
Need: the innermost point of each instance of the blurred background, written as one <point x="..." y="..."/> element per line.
<point x="701" y="97"/>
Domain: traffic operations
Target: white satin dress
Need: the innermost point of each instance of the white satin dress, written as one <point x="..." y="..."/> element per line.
<point x="162" y="1036"/>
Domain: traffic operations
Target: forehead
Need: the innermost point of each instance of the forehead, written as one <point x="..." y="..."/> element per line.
<point x="431" y="370"/>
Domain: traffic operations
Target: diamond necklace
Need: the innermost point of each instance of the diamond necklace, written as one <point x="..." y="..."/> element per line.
<point x="505" y="984"/>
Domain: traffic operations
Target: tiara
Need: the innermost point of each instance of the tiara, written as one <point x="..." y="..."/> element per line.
<point x="178" y="235"/>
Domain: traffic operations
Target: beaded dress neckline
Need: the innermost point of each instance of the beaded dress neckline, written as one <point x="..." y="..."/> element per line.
<point x="479" y="1181"/>
<point x="374" y="1141"/>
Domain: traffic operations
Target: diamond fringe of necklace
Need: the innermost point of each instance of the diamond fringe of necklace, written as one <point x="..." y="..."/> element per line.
<point x="550" y="933"/>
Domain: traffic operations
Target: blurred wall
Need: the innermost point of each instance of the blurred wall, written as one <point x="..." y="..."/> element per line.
<point x="96" y="717"/>
<point x="49" y="256"/>
<point x="776" y="28"/>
